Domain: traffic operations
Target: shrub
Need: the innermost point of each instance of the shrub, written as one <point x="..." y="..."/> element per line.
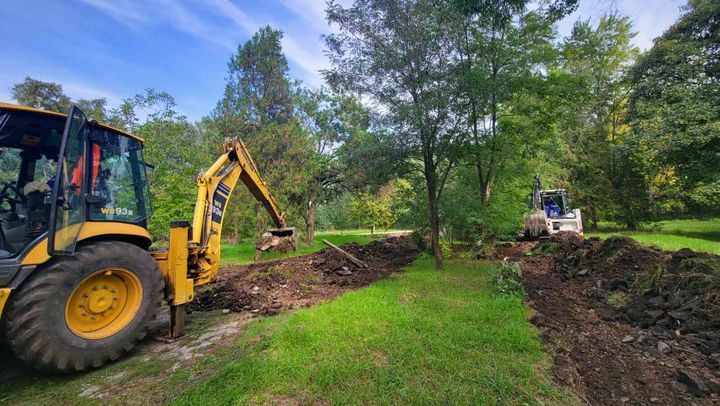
<point x="481" y="248"/>
<point x="508" y="280"/>
<point x="618" y="300"/>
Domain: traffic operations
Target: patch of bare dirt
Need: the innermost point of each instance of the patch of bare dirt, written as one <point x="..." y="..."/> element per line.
<point x="626" y="323"/>
<point x="273" y="286"/>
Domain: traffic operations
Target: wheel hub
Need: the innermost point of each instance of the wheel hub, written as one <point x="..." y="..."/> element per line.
<point x="103" y="303"/>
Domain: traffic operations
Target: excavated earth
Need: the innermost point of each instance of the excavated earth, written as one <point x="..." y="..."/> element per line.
<point x="273" y="286"/>
<point x="625" y="323"/>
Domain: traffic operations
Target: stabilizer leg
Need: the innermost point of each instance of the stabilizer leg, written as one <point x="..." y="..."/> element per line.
<point x="177" y="321"/>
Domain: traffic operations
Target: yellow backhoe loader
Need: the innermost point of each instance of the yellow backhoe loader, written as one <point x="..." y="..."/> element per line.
<point x="78" y="281"/>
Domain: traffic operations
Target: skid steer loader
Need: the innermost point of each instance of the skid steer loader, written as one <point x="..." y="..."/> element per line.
<point x="550" y="214"/>
<point x="78" y="281"/>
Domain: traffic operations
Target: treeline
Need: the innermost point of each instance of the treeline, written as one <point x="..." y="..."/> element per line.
<point x="462" y="102"/>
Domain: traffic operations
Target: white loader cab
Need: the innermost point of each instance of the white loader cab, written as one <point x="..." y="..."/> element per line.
<point x="551" y="213"/>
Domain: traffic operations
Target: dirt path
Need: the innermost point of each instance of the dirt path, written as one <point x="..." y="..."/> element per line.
<point x="596" y="325"/>
<point x="156" y="372"/>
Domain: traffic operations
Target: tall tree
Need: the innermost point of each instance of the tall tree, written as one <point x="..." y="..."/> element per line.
<point x="258" y="105"/>
<point x="257" y="89"/>
<point x="41" y="95"/>
<point x="597" y="59"/>
<point x="506" y="50"/>
<point x="328" y="120"/>
<point x="400" y="54"/>
<point x="675" y="108"/>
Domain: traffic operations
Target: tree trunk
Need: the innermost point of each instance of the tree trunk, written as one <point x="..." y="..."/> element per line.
<point x="372" y="231"/>
<point x="485" y="185"/>
<point x="431" y="182"/>
<point x="310" y="223"/>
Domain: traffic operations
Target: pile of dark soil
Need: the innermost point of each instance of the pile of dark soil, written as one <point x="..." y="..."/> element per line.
<point x="679" y="292"/>
<point x="627" y="323"/>
<point x="273" y="286"/>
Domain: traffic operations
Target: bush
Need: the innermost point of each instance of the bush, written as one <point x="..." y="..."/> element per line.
<point x="482" y="247"/>
<point x="508" y="280"/>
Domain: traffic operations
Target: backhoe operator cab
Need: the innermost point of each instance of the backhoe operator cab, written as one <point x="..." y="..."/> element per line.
<point x="101" y="178"/>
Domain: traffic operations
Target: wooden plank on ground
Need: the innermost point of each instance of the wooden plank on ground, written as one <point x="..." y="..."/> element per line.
<point x="347" y="254"/>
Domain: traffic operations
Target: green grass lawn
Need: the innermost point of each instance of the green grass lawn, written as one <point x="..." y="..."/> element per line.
<point x="698" y="235"/>
<point x="420" y="337"/>
<point x="244" y="252"/>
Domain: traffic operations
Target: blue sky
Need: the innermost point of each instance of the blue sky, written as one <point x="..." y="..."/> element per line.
<point x="117" y="48"/>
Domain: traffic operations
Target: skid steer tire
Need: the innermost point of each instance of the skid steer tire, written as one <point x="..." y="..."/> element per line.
<point x="42" y="323"/>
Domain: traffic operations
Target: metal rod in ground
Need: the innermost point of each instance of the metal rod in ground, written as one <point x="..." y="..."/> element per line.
<point x="347" y="254"/>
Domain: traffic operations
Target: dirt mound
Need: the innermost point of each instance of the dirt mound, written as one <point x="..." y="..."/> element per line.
<point x="679" y="292"/>
<point x="566" y="241"/>
<point x="627" y="323"/>
<point x="272" y="286"/>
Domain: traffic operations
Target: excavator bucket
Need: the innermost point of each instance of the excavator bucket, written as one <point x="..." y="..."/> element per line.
<point x="279" y="239"/>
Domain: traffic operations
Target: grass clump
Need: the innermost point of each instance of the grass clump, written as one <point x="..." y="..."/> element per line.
<point x="544" y="248"/>
<point x="508" y="280"/>
<point x="618" y="300"/>
<point x="646" y="282"/>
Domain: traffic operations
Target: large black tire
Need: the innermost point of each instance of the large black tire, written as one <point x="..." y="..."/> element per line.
<point x="35" y="322"/>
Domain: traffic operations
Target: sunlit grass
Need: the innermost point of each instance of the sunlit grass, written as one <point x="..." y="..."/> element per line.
<point x="698" y="235"/>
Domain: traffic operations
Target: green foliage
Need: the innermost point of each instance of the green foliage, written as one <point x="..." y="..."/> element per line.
<point x="446" y="248"/>
<point x="674" y="110"/>
<point x="603" y="175"/>
<point x="481" y="248"/>
<point x="371" y="210"/>
<point x="419" y="113"/>
<point x="420" y="237"/>
<point x="41" y="95"/>
<point x="508" y="280"/>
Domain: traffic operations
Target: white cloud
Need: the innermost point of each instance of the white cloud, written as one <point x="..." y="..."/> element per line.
<point x="186" y="21"/>
<point x="124" y="11"/>
<point x="312" y="11"/>
<point x="235" y="14"/>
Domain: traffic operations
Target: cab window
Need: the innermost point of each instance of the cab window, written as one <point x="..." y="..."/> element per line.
<point x="118" y="186"/>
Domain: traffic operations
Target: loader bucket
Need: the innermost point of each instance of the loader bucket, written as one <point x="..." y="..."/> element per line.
<point x="279" y="239"/>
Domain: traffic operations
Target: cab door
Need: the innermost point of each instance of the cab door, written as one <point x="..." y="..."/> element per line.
<point x="68" y="201"/>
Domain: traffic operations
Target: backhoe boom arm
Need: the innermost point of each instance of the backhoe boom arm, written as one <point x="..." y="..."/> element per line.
<point x="193" y="254"/>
